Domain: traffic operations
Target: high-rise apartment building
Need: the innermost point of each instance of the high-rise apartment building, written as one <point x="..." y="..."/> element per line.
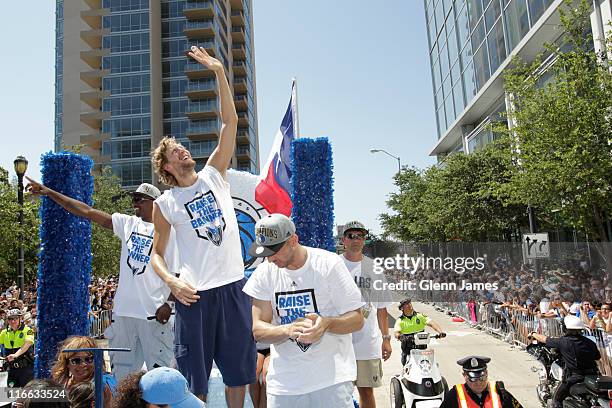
<point x="123" y="80"/>
<point x="470" y="44"/>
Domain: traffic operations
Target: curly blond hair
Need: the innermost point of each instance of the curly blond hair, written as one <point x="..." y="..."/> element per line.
<point x="59" y="371"/>
<point x="158" y="158"/>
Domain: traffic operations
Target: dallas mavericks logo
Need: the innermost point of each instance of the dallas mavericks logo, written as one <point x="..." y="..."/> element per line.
<point x="139" y="249"/>
<point x="206" y="217"/>
<point x="247" y="215"/>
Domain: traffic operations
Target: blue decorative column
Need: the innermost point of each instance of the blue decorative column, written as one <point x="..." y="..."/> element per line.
<point x="64" y="268"/>
<point x="312" y="192"/>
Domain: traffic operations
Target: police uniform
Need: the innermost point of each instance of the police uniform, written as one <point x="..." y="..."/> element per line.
<point x="412" y="324"/>
<point x="494" y="396"/>
<point x="580" y="355"/>
<point x="21" y="369"/>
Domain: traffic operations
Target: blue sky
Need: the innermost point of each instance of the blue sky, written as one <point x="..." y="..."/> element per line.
<point x="363" y="81"/>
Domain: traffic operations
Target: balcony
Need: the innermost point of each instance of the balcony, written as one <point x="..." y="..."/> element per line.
<point x="93" y="38"/>
<point x="199" y="9"/>
<point x="199" y="29"/>
<point x="242" y="136"/>
<point x="200" y="90"/>
<point x="94" y="139"/>
<point x="93" y="17"/>
<point x="195" y="70"/>
<point x="240" y="67"/>
<point x="94" y="118"/>
<point x="94" y="97"/>
<point x="236" y="5"/>
<point x="202" y="133"/>
<point x="240" y="84"/>
<point x="244" y="165"/>
<point x="243" y="119"/>
<point x="237" y="18"/>
<point x="243" y="152"/>
<point x="94" y="77"/>
<point x="202" y="110"/>
<point x="241" y="101"/>
<point x="93" y="57"/>
<point x="239" y="50"/>
<point x="238" y="34"/>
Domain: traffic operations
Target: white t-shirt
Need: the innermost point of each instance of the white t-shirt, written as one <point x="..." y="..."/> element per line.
<point x="367" y="342"/>
<point x="140" y="291"/>
<point x="207" y="234"/>
<point x="324" y="286"/>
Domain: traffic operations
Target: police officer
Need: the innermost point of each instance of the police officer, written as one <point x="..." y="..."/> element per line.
<point x="411" y="322"/>
<point x="478" y="391"/>
<point x="579" y="354"/>
<point x="17" y="340"/>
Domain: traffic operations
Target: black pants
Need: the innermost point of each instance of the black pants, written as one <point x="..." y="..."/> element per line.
<point x="562" y="391"/>
<point x="406" y="347"/>
<point x="20" y="376"/>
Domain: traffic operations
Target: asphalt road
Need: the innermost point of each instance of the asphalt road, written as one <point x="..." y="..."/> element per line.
<point x="509" y="364"/>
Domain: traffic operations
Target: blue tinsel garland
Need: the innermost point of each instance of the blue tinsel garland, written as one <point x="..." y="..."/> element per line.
<point x="64" y="267"/>
<point x="312" y="192"/>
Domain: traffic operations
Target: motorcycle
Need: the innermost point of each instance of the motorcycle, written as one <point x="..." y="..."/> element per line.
<point x="420" y="385"/>
<point x="595" y="391"/>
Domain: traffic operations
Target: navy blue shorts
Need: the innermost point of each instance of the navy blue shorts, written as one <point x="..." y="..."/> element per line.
<point x="217" y="327"/>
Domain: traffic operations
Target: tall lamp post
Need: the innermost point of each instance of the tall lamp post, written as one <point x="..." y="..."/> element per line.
<point x="399" y="163"/>
<point x="21" y="165"/>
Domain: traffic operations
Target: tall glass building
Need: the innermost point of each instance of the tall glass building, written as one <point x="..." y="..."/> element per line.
<point x="470" y="44"/>
<point x="123" y="80"/>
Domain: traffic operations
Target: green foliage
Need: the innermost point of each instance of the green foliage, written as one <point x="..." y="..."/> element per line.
<point x="556" y="156"/>
<point x="9" y="231"/>
<point x="562" y="133"/>
<point x="110" y="198"/>
<point x="453" y="201"/>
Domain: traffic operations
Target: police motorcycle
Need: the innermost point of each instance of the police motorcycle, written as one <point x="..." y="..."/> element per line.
<point x="420" y="384"/>
<point x="595" y="391"/>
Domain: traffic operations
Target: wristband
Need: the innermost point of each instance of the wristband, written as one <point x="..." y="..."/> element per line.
<point x="386" y="337"/>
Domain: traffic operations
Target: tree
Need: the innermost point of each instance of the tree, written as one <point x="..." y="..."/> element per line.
<point x="105" y="246"/>
<point x="454" y="201"/>
<point x="562" y="133"/>
<point x="9" y="231"/>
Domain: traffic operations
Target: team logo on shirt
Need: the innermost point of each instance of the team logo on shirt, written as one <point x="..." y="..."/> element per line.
<point x="139" y="247"/>
<point x="247" y="216"/>
<point x="206" y="217"/>
<point x="295" y="304"/>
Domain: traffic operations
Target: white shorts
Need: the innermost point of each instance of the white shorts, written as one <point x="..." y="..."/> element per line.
<point x="337" y="396"/>
<point x="150" y="342"/>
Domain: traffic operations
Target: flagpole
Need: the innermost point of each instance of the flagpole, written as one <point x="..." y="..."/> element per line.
<point x="294" y="102"/>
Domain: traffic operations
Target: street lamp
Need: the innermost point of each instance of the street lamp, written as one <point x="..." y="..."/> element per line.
<point x="399" y="163"/>
<point x="21" y="165"/>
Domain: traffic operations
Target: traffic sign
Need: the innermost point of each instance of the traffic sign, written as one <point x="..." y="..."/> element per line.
<point x="536" y="246"/>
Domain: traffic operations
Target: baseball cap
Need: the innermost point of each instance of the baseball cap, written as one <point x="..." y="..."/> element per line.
<point x="271" y="232"/>
<point x="167" y="386"/>
<point x="149" y="190"/>
<point x="354" y="225"/>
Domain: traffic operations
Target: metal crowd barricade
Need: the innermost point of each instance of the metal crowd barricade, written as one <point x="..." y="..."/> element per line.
<point x="514" y="326"/>
<point x="99" y="322"/>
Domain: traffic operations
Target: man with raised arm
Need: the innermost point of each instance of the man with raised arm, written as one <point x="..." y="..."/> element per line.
<point x="141" y="313"/>
<point x="213" y="315"/>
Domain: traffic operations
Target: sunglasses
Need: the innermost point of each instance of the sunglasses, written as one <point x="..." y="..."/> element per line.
<point x="350" y="235"/>
<point x="79" y="360"/>
<point x="12" y="318"/>
<point x="138" y="199"/>
<point x="481" y="378"/>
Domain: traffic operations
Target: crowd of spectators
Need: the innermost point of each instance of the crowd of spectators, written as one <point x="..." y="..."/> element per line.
<point x="553" y="289"/>
<point x="101" y="293"/>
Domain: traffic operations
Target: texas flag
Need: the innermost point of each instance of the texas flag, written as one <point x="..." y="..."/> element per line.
<point x="273" y="190"/>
